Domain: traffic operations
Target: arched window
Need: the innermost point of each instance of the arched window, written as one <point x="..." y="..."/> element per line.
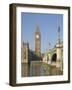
<point x="54" y="57"/>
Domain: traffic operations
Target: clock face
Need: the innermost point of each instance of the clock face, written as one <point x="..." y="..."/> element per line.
<point x="37" y="36"/>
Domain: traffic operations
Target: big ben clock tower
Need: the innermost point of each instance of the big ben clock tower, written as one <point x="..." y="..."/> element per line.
<point x="37" y="42"/>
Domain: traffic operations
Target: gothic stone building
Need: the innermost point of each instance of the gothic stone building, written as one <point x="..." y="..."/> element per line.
<point x="24" y="52"/>
<point x="27" y="54"/>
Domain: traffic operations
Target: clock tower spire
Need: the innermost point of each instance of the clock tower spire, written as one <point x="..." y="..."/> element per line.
<point x="38" y="41"/>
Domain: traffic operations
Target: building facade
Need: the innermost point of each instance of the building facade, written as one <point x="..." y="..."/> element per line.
<point x="25" y="52"/>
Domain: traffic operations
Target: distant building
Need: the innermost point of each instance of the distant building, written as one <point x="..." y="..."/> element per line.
<point x="25" y="52"/>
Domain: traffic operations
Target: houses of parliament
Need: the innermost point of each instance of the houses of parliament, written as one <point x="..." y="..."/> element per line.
<point x="27" y="54"/>
<point x="52" y="56"/>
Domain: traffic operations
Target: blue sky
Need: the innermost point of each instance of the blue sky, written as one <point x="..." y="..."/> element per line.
<point x="48" y="24"/>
